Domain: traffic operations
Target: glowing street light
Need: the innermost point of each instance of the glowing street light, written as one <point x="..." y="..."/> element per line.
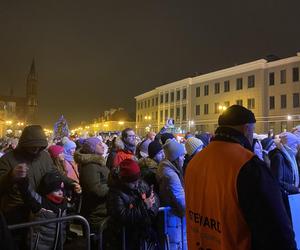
<point x="121" y="123"/>
<point x="289" y="117"/>
<point x="222" y="107"/>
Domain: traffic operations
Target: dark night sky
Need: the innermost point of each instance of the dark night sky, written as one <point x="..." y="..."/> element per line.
<point x="93" y="55"/>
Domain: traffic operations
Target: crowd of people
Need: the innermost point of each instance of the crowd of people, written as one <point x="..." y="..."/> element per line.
<point x="227" y="190"/>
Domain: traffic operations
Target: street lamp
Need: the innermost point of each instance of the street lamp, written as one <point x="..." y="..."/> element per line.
<point x="222" y="108"/>
<point x="289" y="117"/>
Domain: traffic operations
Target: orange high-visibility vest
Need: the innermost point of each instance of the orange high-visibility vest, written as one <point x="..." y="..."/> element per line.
<point x="214" y="218"/>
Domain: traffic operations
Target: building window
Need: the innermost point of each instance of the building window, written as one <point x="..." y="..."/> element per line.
<point x="251" y="81"/>
<point x="138" y="105"/>
<point x="156" y="101"/>
<point x="161" y="116"/>
<point x="172" y="96"/>
<point x="272" y="102"/>
<point x="152" y="102"/>
<point x="217" y="109"/>
<point x="166" y="114"/>
<point x="271" y="78"/>
<point x="177" y="114"/>
<point x="197" y="109"/>
<point x="239" y="83"/>
<point x="183" y="94"/>
<point x="251" y="103"/>
<point x="161" y="99"/>
<point x="283" y="101"/>
<point x="171" y="113"/>
<point x="205" y="109"/>
<point x="282" y="76"/>
<point x="156" y="115"/>
<point x="184" y="113"/>
<point x="226" y="86"/>
<point x="197" y="91"/>
<point x="166" y="97"/>
<point x="149" y="103"/>
<point x="142" y="105"/>
<point x="145" y="104"/>
<point x="239" y="102"/>
<point x="217" y="88"/>
<point x="295" y="74"/>
<point x="206" y="90"/>
<point x="178" y="95"/>
<point x="296" y="100"/>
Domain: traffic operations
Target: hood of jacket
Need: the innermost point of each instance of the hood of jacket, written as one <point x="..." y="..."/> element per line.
<point x="33" y="136"/>
<point x="148" y="162"/>
<point x="84" y="159"/>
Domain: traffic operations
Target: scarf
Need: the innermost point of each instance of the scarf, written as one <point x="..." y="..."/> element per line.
<point x="290" y="155"/>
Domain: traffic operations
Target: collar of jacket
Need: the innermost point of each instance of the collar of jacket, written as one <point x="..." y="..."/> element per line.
<point x="84" y="159"/>
<point x="232" y="135"/>
<point x="129" y="148"/>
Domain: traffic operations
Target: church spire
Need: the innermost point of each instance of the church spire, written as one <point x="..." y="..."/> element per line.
<point x="32" y="74"/>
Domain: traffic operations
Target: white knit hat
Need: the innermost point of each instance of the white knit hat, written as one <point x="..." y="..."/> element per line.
<point x="192" y="144"/>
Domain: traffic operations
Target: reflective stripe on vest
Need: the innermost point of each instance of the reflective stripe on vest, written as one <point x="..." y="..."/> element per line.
<point x="214" y="218"/>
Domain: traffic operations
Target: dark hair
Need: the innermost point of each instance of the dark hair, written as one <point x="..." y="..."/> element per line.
<point x="124" y="132"/>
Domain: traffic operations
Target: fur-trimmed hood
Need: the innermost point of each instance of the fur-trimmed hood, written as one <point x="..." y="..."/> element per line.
<point x="148" y="162"/>
<point x="84" y="159"/>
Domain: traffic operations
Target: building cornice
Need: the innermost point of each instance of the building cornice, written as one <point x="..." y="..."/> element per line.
<point x="284" y="61"/>
<point x="246" y="67"/>
<point x="177" y="84"/>
<point x="146" y="95"/>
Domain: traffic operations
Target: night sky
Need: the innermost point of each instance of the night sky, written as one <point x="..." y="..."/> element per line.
<point x="94" y="55"/>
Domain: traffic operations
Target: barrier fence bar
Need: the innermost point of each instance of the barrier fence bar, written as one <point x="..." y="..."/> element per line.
<point x="85" y="224"/>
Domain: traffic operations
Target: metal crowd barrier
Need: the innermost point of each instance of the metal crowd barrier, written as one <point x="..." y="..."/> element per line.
<point x="164" y="236"/>
<point x="86" y="226"/>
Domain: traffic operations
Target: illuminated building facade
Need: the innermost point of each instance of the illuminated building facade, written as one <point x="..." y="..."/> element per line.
<point x="269" y="87"/>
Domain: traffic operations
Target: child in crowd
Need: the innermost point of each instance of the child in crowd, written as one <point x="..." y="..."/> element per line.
<point x="49" y="203"/>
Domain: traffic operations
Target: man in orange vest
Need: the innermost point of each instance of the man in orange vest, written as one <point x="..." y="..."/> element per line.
<point x="232" y="200"/>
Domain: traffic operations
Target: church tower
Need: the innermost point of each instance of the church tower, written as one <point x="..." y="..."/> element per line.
<point x="31" y="95"/>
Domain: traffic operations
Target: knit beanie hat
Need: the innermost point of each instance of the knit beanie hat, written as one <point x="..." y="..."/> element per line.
<point x="205" y="138"/>
<point x="55" y="151"/>
<point x="69" y="144"/>
<point x="89" y="145"/>
<point x="144" y="148"/>
<point x="236" y="115"/>
<point x="51" y="182"/>
<point x="129" y="170"/>
<point x="33" y="136"/>
<point x="192" y="144"/>
<point x="173" y="149"/>
<point x="153" y="148"/>
<point x="165" y="136"/>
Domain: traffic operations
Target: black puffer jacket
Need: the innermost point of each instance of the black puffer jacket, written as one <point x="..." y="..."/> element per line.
<point x="93" y="175"/>
<point x="127" y="209"/>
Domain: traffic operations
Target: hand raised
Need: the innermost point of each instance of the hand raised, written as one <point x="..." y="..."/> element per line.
<point x="20" y="171"/>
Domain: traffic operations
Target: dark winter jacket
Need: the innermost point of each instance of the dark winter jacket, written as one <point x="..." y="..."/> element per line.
<point x="93" y="175"/>
<point x="282" y="171"/>
<point x="127" y="209"/>
<point x="11" y="202"/>
<point x="6" y="241"/>
<point x="46" y="236"/>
